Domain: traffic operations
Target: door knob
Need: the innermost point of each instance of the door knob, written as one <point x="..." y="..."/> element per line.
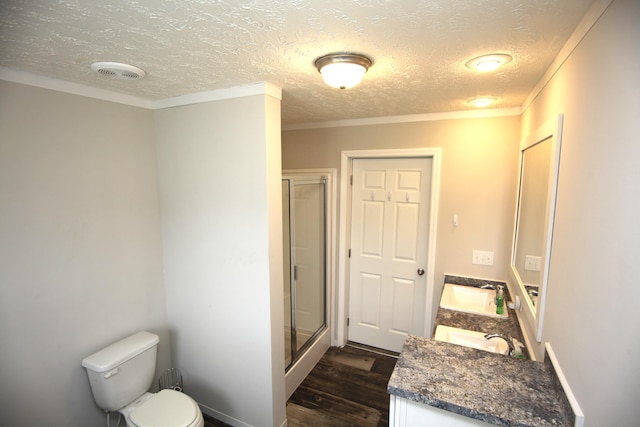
<point x="420" y="271"/>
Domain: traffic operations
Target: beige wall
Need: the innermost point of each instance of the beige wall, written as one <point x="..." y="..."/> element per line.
<point x="478" y="181"/>
<point x="219" y="168"/>
<point x="592" y="319"/>
<point x="80" y="254"/>
<point x="80" y="251"/>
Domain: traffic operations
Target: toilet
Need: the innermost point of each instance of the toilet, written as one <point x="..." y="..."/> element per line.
<point x="121" y="375"/>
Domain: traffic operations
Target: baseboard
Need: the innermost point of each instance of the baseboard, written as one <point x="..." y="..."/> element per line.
<point x="222" y="417"/>
<point x="575" y="407"/>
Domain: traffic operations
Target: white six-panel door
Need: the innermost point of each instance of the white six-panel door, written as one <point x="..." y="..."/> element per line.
<point x="389" y="235"/>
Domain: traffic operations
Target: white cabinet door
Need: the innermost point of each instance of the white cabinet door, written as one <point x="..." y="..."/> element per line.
<point x="389" y="235"/>
<point x="405" y="413"/>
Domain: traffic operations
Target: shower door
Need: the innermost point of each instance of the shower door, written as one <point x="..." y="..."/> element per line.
<point x="304" y="234"/>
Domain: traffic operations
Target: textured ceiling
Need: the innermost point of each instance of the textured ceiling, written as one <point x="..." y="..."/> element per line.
<point x="418" y="48"/>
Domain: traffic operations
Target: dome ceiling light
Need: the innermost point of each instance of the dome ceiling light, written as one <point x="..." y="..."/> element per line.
<point x="491" y="62"/>
<point x="343" y="70"/>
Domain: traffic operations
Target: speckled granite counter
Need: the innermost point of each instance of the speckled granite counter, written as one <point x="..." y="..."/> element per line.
<point x="490" y="387"/>
<point x="474" y="322"/>
<point x="508" y="327"/>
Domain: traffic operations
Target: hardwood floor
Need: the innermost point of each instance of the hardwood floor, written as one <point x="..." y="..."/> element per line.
<point x="348" y="387"/>
<point x="212" y="422"/>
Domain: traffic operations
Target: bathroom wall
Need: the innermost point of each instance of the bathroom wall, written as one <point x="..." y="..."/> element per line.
<point x="220" y="190"/>
<point x="478" y="182"/>
<point x="80" y="252"/>
<point x="592" y="315"/>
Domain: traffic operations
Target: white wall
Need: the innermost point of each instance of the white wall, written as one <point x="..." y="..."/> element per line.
<point x="80" y="252"/>
<point x="220" y="190"/>
<point x="592" y="318"/>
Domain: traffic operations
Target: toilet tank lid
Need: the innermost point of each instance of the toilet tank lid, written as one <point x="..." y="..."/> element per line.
<point x="121" y="351"/>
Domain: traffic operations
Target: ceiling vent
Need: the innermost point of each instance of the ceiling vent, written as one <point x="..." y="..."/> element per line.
<point x="117" y="70"/>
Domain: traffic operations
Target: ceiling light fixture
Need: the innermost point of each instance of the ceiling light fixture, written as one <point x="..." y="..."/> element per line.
<point x="488" y="62"/>
<point x="117" y="70"/>
<point x="481" y="102"/>
<point x="343" y="70"/>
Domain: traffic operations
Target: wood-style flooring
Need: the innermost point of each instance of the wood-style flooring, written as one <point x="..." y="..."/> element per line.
<point x="348" y="387"/>
<point x="212" y="422"/>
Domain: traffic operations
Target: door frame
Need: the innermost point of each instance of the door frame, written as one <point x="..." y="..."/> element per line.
<point x="339" y="334"/>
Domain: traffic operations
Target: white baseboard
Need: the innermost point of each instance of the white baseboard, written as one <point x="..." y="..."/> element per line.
<point x="222" y="417"/>
<point x="579" y="415"/>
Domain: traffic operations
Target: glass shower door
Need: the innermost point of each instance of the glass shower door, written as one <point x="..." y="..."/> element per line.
<point x="304" y="199"/>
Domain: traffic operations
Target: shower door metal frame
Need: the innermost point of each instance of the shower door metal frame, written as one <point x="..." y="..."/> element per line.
<point x="296" y="352"/>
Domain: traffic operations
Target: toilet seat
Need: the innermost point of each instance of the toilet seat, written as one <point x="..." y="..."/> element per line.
<point x="167" y="408"/>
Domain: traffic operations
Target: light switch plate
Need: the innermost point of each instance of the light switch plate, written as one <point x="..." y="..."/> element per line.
<point x="532" y="263"/>
<point x="482" y="258"/>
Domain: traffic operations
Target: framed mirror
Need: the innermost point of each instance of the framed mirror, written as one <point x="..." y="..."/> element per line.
<point x="533" y="232"/>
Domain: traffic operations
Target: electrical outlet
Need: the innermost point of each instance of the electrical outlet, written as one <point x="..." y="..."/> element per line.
<point x="532" y="263"/>
<point x="482" y="258"/>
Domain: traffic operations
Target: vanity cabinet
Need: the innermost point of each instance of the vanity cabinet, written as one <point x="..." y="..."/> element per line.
<point x="440" y="384"/>
<point x="406" y="413"/>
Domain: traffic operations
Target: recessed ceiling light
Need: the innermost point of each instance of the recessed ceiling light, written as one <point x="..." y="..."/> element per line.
<point x="483" y="101"/>
<point x="117" y="70"/>
<point x="488" y="62"/>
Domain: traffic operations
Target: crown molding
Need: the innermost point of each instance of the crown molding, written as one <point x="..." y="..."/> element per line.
<point x="593" y="14"/>
<point x="36" y="80"/>
<point x="453" y="115"/>
<point x="259" y="88"/>
<point x="30" y="79"/>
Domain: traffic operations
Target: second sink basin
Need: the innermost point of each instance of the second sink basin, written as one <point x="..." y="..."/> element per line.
<point x="469" y="299"/>
<point x="470" y="339"/>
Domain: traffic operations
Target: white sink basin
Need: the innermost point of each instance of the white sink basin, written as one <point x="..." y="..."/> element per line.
<point x="470" y="339"/>
<point x="471" y="300"/>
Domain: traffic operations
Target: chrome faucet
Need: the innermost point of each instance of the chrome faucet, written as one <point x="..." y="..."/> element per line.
<point x="512" y="349"/>
<point x="488" y="286"/>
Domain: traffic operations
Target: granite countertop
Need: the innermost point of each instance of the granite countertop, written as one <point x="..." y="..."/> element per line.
<point x="509" y="327"/>
<point x="493" y="388"/>
<point x="489" y="387"/>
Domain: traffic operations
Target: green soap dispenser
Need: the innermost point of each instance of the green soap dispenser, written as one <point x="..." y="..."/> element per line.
<point x="500" y="301"/>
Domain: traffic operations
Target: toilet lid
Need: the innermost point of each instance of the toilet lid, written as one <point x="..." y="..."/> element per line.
<point x="167" y="408"/>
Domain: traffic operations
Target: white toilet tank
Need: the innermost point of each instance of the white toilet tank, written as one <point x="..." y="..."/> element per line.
<point x="123" y="371"/>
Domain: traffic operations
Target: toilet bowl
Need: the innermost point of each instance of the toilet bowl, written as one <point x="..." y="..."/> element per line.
<point x="120" y="376"/>
<point x="167" y="408"/>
